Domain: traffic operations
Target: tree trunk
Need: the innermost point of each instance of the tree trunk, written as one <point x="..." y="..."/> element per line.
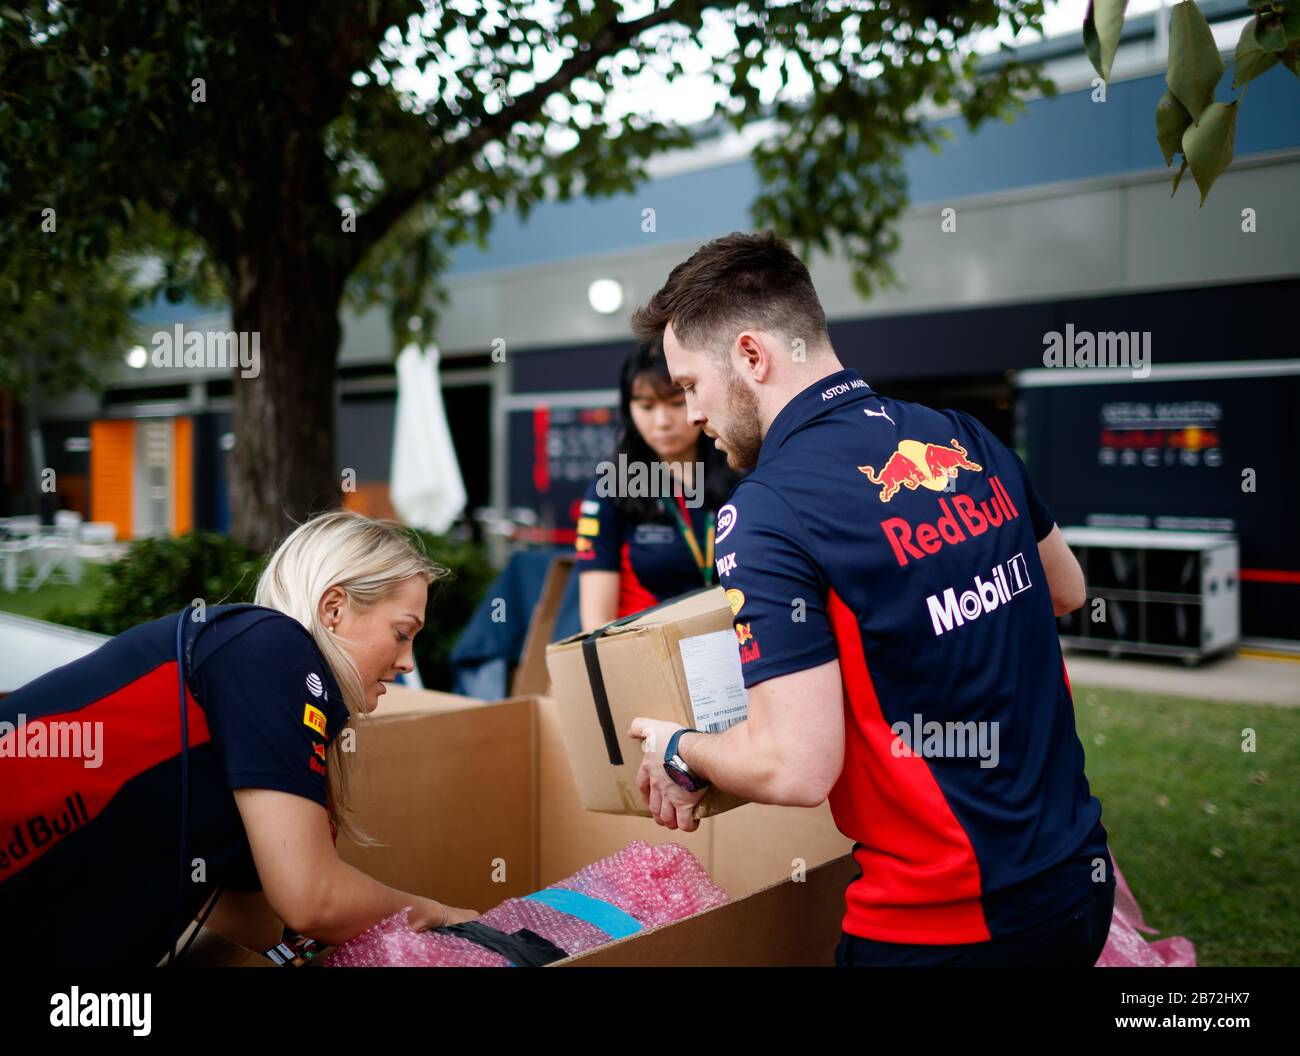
<point x="283" y="466"/>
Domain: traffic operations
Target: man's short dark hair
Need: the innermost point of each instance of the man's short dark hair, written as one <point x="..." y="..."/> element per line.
<point x="740" y="280"/>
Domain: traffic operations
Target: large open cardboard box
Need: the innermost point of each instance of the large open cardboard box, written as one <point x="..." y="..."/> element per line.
<point x="475" y="803"/>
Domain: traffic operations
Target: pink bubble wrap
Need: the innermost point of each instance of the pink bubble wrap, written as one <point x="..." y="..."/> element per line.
<point x="656" y="885"/>
<point x="1126" y="948"/>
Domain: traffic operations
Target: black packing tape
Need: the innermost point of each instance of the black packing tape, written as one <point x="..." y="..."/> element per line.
<point x="596" y="680"/>
<point x="598" y="694"/>
<point x="523" y="947"/>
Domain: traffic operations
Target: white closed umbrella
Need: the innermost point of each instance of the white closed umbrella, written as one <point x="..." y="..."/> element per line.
<point x="425" y="484"/>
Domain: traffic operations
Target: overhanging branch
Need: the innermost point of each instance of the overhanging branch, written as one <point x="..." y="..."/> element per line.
<point x="379" y="219"/>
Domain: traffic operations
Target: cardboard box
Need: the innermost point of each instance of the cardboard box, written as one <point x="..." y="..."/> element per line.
<point x="745" y="849"/>
<point x="448" y="784"/>
<point x="677" y="661"/>
<point x="794" y="923"/>
<point x="570" y="836"/>
<point x="476" y="803"/>
<point x="531" y="678"/>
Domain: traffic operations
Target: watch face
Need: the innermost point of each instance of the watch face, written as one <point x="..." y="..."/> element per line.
<point x="681" y="778"/>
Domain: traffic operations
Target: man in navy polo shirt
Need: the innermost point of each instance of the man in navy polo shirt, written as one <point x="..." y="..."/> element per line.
<point x="894" y="578"/>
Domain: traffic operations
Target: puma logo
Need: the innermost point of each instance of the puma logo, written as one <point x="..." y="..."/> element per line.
<point x="880" y="414"/>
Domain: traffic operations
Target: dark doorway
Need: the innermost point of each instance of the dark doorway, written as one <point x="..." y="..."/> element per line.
<point x="469" y="416"/>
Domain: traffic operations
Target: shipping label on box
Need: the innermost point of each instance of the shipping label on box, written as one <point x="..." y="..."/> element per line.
<point x="714" y="681"/>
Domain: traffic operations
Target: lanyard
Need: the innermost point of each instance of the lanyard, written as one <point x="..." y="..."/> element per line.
<point x="704" y="561"/>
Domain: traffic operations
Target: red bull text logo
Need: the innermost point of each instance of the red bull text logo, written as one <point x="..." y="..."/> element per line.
<point x="31" y="838"/>
<point x="956" y="523"/>
<point x="914" y="464"/>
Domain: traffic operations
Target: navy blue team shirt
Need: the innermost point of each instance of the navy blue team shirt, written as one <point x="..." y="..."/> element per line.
<point x="89" y="855"/>
<point x="652" y="559"/>
<point x="902" y="541"/>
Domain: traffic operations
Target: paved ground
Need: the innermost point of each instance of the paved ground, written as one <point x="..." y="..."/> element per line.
<point x="1240" y="678"/>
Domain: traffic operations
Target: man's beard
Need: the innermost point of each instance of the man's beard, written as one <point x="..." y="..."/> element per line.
<point x="743" y="437"/>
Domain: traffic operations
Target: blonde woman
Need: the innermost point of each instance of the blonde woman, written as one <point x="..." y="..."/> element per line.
<point x="113" y="844"/>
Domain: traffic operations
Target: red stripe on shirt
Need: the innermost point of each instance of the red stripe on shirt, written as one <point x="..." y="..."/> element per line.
<point x="632" y="594"/>
<point x="920" y="878"/>
<point x="141" y="728"/>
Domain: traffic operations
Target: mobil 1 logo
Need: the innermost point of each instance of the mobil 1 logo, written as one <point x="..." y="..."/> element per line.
<point x="950" y="609"/>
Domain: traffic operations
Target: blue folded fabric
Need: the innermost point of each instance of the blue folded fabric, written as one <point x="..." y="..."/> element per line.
<point x="488" y="647"/>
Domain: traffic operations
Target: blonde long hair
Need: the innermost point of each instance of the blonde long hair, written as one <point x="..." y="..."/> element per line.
<point x="366" y="558"/>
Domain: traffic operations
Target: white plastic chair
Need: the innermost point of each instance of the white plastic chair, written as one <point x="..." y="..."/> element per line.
<point x="11" y="558"/>
<point x="98" y="539"/>
<point x="55" y="558"/>
<point x="23" y="526"/>
<point x="67" y="522"/>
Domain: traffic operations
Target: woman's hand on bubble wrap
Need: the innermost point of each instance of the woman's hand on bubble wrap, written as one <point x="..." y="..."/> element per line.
<point x="670" y="804"/>
<point x="426" y="914"/>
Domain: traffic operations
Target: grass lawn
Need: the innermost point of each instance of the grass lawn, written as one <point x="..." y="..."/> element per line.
<point x="38" y="603"/>
<point x="1207" y="835"/>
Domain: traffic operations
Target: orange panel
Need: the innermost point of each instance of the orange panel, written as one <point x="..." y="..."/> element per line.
<point x="370" y="498"/>
<point x="112" y="456"/>
<point x="74" y="493"/>
<point x="182" y="475"/>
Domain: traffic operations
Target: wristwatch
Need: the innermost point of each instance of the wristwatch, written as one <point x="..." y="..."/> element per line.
<point x="677" y="768"/>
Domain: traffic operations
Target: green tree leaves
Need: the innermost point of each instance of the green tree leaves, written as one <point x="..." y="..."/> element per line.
<point x="1188" y="120"/>
<point x="1250" y="59"/>
<point x="1101" y="31"/>
<point x="1207" y="144"/>
<point x="309" y="170"/>
<point x="307" y="115"/>
<point x="1194" y="63"/>
<point x="1172" y="120"/>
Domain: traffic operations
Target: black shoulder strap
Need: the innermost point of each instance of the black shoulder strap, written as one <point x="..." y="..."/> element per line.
<point x="192" y="628"/>
<point x="187" y="633"/>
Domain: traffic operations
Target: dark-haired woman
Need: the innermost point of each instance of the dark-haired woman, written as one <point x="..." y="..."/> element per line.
<point x="640" y="542"/>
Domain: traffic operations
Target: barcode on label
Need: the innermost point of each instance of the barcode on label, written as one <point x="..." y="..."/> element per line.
<point x="724" y="724"/>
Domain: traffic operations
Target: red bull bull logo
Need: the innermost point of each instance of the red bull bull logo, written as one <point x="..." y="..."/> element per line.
<point x="914" y="464"/>
<point x="748" y="643"/>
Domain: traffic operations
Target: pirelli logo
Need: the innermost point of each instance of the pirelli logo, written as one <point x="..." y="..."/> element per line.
<point x="315" y="718"/>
